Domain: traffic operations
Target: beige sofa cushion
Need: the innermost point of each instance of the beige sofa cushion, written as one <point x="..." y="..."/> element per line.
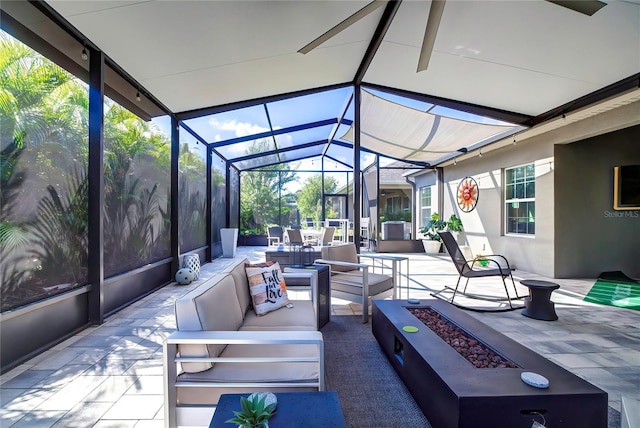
<point x="340" y="253"/>
<point x="208" y="308"/>
<point x="242" y="284"/>
<point x="300" y="317"/>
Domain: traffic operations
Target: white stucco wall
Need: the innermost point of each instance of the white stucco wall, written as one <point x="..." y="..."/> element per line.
<point x="484" y="226"/>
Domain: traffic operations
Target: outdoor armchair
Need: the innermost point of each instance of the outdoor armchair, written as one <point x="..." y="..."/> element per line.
<point x="355" y="281"/>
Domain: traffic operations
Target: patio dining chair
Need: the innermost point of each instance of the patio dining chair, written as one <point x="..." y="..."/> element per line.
<point x="496" y="266"/>
<point x="327" y="235"/>
<point x="275" y="235"/>
<point x="294" y="236"/>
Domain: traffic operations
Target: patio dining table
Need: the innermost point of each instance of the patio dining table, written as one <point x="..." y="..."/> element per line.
<point x="311" y="234"/>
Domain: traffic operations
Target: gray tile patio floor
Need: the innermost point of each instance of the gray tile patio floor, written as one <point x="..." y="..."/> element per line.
<point x="111" y="375"/>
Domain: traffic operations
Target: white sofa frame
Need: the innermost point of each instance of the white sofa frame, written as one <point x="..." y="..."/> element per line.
<point x="178" y="416"/>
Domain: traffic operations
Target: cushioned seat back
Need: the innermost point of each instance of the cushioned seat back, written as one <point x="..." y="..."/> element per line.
<point x="237" y="270"/>
<point x="211" y="306"/>
<point x="340" y="253"/>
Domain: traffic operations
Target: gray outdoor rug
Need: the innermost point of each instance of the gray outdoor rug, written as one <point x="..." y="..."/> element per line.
<point x="371" y="393"/>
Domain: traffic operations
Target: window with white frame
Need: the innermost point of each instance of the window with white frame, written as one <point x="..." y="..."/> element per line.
<point x="425" y="205"/>
<point x="520" y="200"/>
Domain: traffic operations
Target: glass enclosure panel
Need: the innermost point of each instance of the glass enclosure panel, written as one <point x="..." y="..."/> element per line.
<point x="332" y="165"/>
<point x="230" y="124"/>
<point x="264" y="200"/>
<point x="308" y="108"/>
<point x="302" y="200"/>
<point x="340" y="180"/>
<point x="370" y="198"/>
<point x="218" y="196"/>
<point x="341" y="154"/>
<point x="290" y="139"/>
<point x="234" y="198"/>
<point x="366" y="160"/>
<point x="136" y="189"/>
<point x="335" y="207"/>
<point x="192" y="195"/>
<point x="238" y="150"/>
<point x="310" y="196"/>
<point x="257" y="162"/>
<point x="43" y="177"/>
<point x="308" y="164"/>
<point x="301" y="153"/>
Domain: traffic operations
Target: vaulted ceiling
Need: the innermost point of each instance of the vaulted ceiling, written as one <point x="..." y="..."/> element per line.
<point x="521" y="61"/>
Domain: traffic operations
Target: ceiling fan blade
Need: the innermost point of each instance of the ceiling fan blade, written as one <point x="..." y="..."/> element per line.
<point x="343" y="25"/>
<point x="430" y="32"/>
<point x="587" y="7"/>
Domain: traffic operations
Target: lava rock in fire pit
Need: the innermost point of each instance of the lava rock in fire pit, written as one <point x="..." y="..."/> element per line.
<point x="477" y="353"/>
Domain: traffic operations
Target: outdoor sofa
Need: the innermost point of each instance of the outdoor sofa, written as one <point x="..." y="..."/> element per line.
<point x="221" y="346"/>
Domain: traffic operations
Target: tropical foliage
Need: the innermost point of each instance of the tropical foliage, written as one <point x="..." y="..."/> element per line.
<point x="44" y="188"/>
<point x="438" y="224"/>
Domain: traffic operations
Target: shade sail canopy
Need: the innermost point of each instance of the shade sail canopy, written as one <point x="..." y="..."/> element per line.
<point x="519" y="61"/>
<point x="403" y="132"/>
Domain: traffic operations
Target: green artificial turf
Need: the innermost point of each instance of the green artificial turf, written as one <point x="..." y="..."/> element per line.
<point x="615" y="289"/>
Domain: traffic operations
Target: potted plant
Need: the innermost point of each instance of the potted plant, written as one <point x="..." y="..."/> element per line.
<point x="432" y="241"/>
<point x="255" y="411"/>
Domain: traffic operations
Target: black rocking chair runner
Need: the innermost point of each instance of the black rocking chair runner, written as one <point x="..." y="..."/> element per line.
<point x="474" y="269"/>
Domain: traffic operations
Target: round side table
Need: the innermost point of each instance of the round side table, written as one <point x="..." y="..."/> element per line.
<point x="539" y="305"/>
<point x="192" y="261"/>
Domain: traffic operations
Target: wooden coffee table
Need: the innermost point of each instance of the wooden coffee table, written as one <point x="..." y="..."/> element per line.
<point x="295" y="409"/>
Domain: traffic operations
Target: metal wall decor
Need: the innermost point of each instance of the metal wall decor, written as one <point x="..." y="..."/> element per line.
<point x="468" y="193"/>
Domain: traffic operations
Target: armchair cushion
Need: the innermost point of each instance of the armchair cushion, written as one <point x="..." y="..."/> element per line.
<point x="378" y="283"/>
<point x="267" y="288"/>
<point x="343" y="253"/>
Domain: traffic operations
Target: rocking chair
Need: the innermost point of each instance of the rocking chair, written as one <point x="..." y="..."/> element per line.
<point x="476" y="269"/>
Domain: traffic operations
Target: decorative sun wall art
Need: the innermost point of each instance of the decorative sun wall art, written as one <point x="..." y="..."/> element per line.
<point x="467" y="194"/>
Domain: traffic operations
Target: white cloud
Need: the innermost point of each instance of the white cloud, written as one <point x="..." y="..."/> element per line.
<point x="239" y="128"/>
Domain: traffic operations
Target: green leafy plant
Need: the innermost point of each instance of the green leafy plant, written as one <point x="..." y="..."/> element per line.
<point x="437" y="224"/>
<point x="254" y="413"/>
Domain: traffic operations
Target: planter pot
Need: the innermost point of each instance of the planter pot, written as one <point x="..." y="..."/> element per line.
<point x="431" y="247"/>
<point x="253" y="240"/>
<point x="229" y="237"/>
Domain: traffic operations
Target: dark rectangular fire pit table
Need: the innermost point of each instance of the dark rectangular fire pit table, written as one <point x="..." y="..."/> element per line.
<point x="451" y="392"/>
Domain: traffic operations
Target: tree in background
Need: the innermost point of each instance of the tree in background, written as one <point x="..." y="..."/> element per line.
<point x="310" y="196"/>
<point x="259" y="193"/>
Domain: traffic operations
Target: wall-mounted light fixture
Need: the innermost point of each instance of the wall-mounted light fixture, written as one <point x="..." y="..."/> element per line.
<point x="480" y="154"/>
<point x="138" y="96"/>
<point x="84" y="55"/>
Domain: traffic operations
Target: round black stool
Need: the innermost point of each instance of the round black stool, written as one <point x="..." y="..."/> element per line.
<point x="539" y="305"/>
